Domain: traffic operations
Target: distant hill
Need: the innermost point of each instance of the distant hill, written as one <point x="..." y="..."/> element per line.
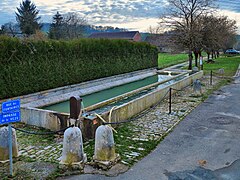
<point x="45" y="27"/>
<point x="89" y="29"/>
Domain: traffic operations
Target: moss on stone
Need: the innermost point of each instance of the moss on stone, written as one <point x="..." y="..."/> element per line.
<point x="72" y="158"/>
<point x="106" y="154"/>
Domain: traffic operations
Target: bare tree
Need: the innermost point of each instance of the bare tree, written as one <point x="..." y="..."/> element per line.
<point x="2" y="30"/>
<point x="154" y="30"/>
<point x="73" y="25"/>
<point x="218" y="33"/>
<point x="10" y="29"/>
<point x="182" y="16"/>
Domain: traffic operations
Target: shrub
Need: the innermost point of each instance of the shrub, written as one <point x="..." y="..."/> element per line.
<point x="29" y="66"/>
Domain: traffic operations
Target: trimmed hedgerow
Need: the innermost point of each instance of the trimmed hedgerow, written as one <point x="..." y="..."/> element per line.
<point x="28" y="66"/>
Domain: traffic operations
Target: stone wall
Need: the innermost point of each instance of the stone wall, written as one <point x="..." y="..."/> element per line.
<point x="43" y="118"/>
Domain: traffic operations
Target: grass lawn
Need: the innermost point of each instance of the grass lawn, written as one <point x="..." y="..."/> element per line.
<point x="165" y="59"/>
<point x="229" y="64"/>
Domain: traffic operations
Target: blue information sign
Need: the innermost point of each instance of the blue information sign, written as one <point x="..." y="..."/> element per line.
<point x="10" y="114"/>
<point x="11" y="106"/>
<point x="6" y="118"/>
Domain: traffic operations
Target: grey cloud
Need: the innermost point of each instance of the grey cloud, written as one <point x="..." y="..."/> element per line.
<point x="116" y="11"/>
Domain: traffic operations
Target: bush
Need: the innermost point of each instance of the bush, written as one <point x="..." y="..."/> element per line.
<point x="29" y="66"/>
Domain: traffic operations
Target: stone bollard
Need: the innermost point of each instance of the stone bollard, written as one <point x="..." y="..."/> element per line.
<point x="73" y="155"/>
<point x="104" y="155"/>
<point x="197" y="87"/>
<point x="195" y="69"/>
<point x="221" y="71"/>
<point x="4" y="145"/>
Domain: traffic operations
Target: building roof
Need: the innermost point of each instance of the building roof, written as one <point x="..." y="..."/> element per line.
<point x="115" y="35"/>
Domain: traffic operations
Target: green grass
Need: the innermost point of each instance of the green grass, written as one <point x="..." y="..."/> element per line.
<point x="125" y="144"/>
<point x="165" y="59"/>
<point x="229" y="64"/>
<point x="32" y="139"/>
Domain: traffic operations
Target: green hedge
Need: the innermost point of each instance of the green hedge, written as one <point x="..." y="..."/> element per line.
<point x="31" y="66"/>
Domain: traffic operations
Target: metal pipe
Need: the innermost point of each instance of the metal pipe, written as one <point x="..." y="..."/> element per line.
<point x="211" y="77"/>
<point x="10" y="148"/>
<point x="170" y="100"/>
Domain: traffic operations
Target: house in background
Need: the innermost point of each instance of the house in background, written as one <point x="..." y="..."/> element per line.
<point x="127" y="35"/>
<point x="164" y="42"/>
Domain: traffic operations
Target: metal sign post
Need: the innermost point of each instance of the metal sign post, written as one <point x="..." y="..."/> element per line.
<point x="10" y="114"/>
<point x="10" y="148"/>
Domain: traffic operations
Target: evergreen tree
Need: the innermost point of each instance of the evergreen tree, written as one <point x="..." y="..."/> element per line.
<point x="56" y="27"/>
<point x="27" y="17"/>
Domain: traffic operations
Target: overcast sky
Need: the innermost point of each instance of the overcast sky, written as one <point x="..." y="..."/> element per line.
<point x="130" y="14"/>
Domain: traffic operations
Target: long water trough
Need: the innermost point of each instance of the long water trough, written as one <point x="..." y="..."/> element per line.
<point x="129" y="93"/>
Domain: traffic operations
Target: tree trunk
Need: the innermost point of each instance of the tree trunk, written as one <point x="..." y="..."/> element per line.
<point x="212" y="54"/>
<point x="217" y="53"/>
<point x="190" y="57"/>
<point x="196" y="57"/>
<point x="208" y="56"/>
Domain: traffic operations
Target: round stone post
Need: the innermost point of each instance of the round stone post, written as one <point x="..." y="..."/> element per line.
<point x="195" y="69"/>
<point x="197" y="87"/>
<point x="4" y="145"/>
<point x="73" y="155"/>
<point x="104" y="154"/>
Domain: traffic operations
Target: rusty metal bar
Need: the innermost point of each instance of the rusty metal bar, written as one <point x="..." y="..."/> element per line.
<point x="211" y="77"/>
<point x="170" y="100"/>
<point x="75" y="107"/>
